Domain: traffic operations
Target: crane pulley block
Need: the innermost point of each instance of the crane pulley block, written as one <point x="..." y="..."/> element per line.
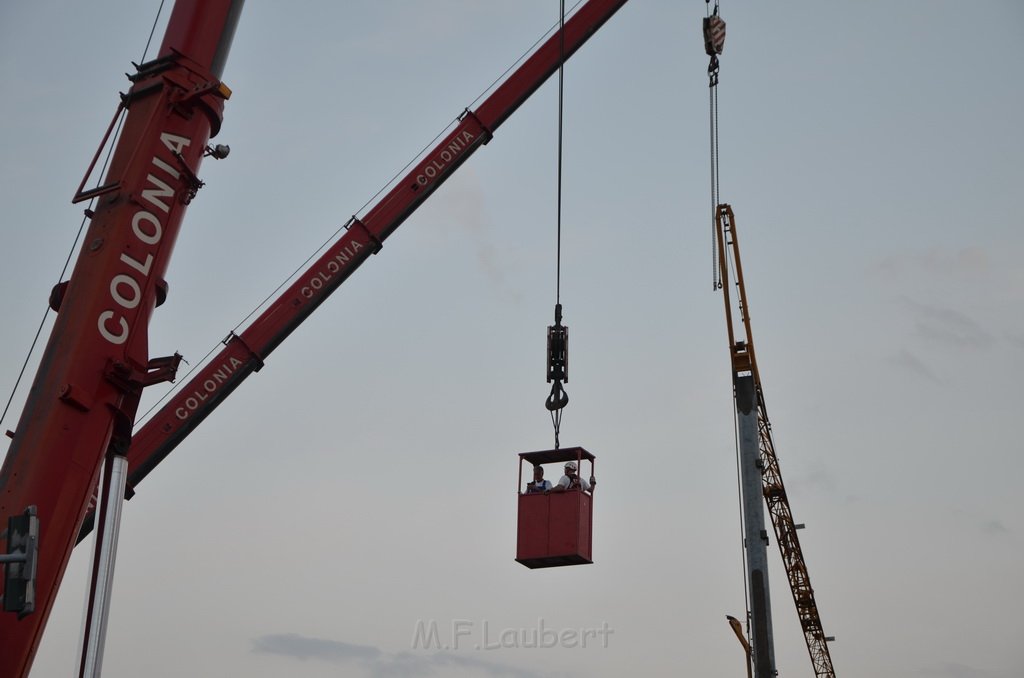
<point x="714" y="43"/>
<point x="714" y="34"/>
<point x="558" y="353"/>
<point x="558" y="362"/>
<point x="558" y="349"/>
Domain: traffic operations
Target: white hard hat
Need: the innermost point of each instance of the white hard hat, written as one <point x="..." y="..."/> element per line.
<point x="570" y="465"/>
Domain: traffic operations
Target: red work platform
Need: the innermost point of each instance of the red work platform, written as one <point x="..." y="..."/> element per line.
<point x="555" y="528"/>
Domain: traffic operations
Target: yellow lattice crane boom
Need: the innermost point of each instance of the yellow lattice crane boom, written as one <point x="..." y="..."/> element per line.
<point x="751" y="400"/>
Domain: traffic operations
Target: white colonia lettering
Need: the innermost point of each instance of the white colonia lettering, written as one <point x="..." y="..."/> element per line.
<point x="207" y="388"/>
<point x="333" y="265"/>
<point x="150" y="234"/>
<point x="126" y="286"/>
<point x="154" y="196"/>
<point x="444" y="157"/>
<point x="118" y="338"/>
<point x="121" y="282"/>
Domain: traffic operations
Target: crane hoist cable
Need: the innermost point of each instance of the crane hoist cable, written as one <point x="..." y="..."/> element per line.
<point x="558" y="334"/>
<point x="714" y="42"/>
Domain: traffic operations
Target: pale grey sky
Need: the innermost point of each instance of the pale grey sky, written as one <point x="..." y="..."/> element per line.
<point x="363" y="482"/>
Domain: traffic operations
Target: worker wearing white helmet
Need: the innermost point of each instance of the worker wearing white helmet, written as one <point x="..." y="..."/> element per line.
<point x="572" y="481"/>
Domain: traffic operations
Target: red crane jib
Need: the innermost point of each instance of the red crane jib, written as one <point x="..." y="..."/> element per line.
<point x="245" y="353"/>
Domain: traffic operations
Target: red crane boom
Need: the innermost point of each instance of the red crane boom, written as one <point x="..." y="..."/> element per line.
<point x="84" y="400"/>
<point x="87" y="389"/>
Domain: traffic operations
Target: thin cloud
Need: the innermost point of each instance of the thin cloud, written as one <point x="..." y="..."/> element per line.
<point x="908" y="361"/>
<point x="966" y="262"/>
<point x="464" y="214"/>
<point x="436" y="664"/>
<point x="994" y="526"/>
<point x="955" y="670"/>
<point x="948" y="326"/>
<point x="380" y="664"/>
<point x="819" y="478"/>
<point x="304" y="647"/>
<point x="1015" y="339"/>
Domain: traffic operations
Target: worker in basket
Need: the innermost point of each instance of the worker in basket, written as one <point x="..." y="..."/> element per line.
<point x="572" y="481"/>
<point x="538" y="484"/>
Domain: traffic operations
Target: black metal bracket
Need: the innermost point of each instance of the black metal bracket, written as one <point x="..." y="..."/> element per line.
<point x="20" y="563"/>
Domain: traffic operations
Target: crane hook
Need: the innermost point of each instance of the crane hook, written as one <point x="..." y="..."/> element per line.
<point x="558" y="398"/>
